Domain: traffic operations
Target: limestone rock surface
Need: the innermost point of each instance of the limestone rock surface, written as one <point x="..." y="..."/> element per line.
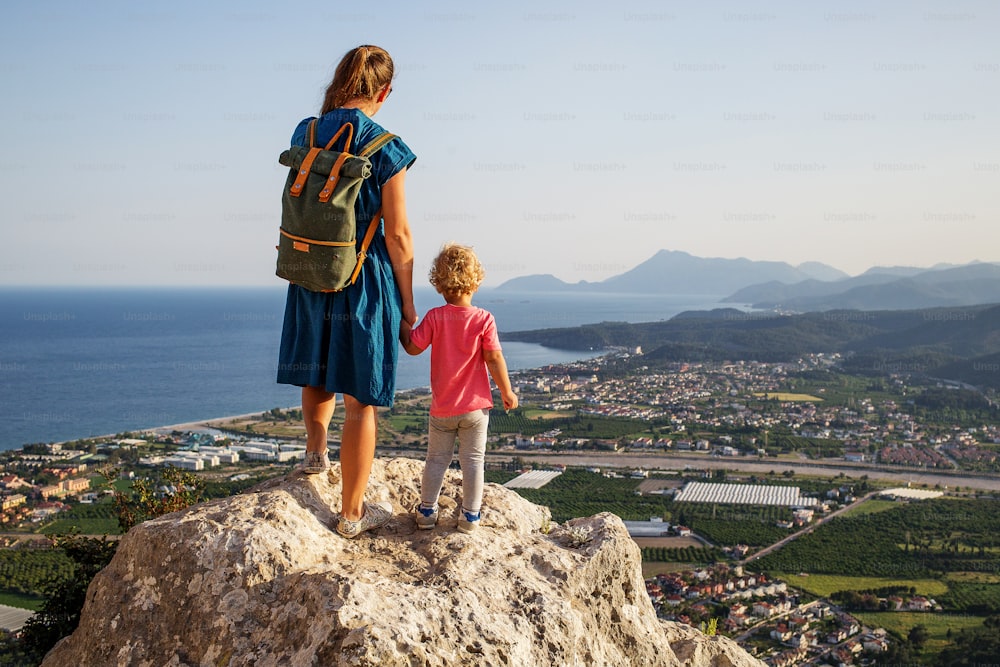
<point x="260" y="579"/>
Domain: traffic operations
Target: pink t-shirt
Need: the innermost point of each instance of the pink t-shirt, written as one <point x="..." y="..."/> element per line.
<point x="457" y="336"/>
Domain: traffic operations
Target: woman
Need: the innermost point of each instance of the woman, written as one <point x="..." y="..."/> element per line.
<point x="346" y="342"/>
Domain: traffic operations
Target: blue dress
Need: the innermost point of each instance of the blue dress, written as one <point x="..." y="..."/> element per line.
<point x="347" y="341"/>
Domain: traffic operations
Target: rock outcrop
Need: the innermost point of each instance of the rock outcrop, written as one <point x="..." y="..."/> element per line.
<point x="261" y="580"/>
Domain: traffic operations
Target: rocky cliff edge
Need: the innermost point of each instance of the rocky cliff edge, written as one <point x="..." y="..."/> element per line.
<point x="260" y="579"/>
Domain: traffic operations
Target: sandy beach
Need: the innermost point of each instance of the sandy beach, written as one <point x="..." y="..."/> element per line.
<point x="215" y="422"/>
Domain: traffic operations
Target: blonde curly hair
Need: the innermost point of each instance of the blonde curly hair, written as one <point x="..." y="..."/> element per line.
<point x="456" y="270"/>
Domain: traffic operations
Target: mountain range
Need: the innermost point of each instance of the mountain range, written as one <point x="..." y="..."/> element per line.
<point x="677" y="272"/>
<point x="873" y="290"/>
<point x="811" y="286"/>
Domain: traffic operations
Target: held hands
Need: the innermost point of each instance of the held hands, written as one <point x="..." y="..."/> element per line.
<point x="409" y="316"/>
<point x="404" y="337"/>
<point x="404" y="332"/>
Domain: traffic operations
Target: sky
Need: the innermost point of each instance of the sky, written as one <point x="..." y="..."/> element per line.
<point x="567" y="138"/>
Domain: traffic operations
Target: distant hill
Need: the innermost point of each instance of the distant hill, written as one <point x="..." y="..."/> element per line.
<point x="537" y="282"/>
<point x="676" y="272"/>
<point x="773" y="293"/>
<point x="898" y="271"/>
<point x="808" y="287"/>
<point x="961" y="344"/>
<point x="905" y="271"/>
<point x="960" y="286"/>
<point x="982" y="371"/>
<point x="821" y="271"/>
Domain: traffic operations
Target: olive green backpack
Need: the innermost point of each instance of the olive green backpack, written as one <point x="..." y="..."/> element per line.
<point x="317" y="245"/>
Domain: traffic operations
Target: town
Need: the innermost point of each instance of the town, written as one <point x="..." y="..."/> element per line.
<point x="696" y="422"/>
<point x="766" y="410"/>
<point x="766" y="616"/>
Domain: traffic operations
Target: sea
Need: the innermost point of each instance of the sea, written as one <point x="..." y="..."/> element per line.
<point x="86" y="362"/>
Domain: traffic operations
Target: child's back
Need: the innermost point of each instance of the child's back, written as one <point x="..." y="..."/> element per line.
<point x="464" y="345"/>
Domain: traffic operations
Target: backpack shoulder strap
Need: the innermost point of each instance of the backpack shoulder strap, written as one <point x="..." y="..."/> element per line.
<point x="347" y="142"/>
<point x="369" y="235"/>
<point x="311" y="132"/>
<point x="303" y="171"/>
<point x="375" y="144"/>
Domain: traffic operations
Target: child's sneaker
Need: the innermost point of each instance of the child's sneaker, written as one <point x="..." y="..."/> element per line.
<point x="468" y="521"/>
<point x="315" y="463"/>
<point x="375" y="515"/>
<point x="426" y="517"/>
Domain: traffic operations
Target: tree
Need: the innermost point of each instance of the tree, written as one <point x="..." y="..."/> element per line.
<point x="918" y="636"/>
<point x="60" y="613"/>
<point x="978" y="647"/>
<point x="147" y="501"/>
<point x="899" y="653"/>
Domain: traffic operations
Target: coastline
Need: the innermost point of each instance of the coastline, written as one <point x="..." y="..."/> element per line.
<point x="209" y="423"/>
<point x="215" y="422"/>
<point x="187" y="356"/>
<point x="212" y="422"/>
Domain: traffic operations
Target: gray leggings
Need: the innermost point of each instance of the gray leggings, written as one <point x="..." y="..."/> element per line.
<point x="470" y="428"/>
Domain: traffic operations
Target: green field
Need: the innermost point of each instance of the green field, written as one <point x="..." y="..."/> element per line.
<point x="95" y="526"/>
<point x="499" y="476"/>
<point x="408" y="423"/>
<point x="871" y="507"/>
<point x="653" y="569"/>
<point x="973" y="577"/>
<point x="534" y="413"/>
<point x="578" y="493"/>
<point x="971" y="596"/>
<point x="783" y="396"/>
<point x="20" y="601"/>
<point x="919" y="540"/>
<point x="901" y="622"/>
<point x="576" y="426"/>
<point x="825" y="585"/>
<point x="91" y="519"/>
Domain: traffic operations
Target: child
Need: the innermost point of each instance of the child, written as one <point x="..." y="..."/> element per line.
<point x="465" y="344"/>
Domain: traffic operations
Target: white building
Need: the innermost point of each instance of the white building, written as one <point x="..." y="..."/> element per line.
<point x="224" y="455"/>
<point x="273" y="453"/>
<point x="185" y="462"/>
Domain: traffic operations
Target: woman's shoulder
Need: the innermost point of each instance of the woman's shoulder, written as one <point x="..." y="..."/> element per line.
<point x="363" y="128"/>
<point x="394" y="156"/>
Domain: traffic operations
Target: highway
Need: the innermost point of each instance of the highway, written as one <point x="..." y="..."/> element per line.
<point x="759" y="467"/>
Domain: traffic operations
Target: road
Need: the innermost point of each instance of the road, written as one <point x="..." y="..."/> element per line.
<point x="759" y="467"/>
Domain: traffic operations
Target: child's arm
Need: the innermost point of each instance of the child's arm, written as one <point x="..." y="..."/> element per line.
<point x="498" y="371"/>
<point x="404" y="339"/>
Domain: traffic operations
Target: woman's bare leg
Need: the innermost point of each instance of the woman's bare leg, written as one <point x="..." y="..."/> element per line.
<point x="317" y="411"/>
<point x="357" y="451"/>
